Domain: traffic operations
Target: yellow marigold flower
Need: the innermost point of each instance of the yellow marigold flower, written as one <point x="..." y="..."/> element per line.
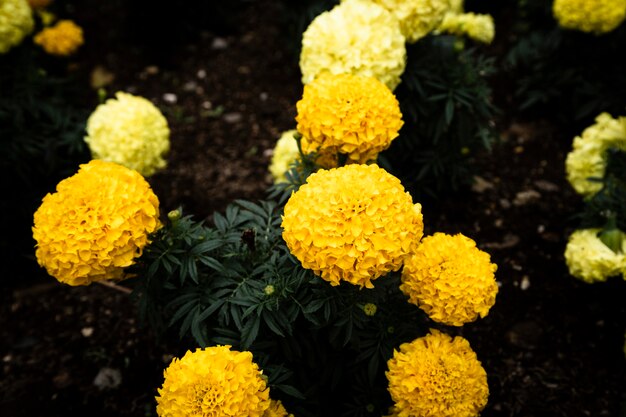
<point x="214" y="381"/>
<point x="450" y="279"/>
<point x="590" y="260"/>
<point x="417" y="17"/>
<point x="437" y="376"/>
<point x="591" y="16"/>
<point x="62" y="39"/>
<point x="354" y="223"/>
<point x="355" y="37"/>
<point x="95" y="224"/>
<point x="588" y="156"/>
<point x="370" y="309"/>
<point x="479" y="27"/>
<point x="348" y="114"/>
<point x="39" y="4"/>
<point x="276" y="409"/>
<point x="16" y="21"/>
<point x="130" y="131"/>
<point x="285" y="154"/>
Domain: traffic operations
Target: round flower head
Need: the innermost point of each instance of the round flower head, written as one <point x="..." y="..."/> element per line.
<point x="437" y="376"/>
<point x="592" y="16"/>
<point x="131" y="131"/>
<point x="214" y="381"/>
<point x="479" y="27"/>
<point x="450" y="279"/>
<point x="348" y="114"/>
<point x="16" y="21"/>
<point x="588" y="156"/>
<point x="95" y="224"/>
<point x="354" y="223"/>
<point x="417" y="17"/>
<point x="285" y="153"/>
<point x="355" y="37"/>
<point x="590" y="260"/>
<point x="62" y="39"/>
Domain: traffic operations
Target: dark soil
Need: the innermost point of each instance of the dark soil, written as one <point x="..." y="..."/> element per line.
<point x="551" y="346"/>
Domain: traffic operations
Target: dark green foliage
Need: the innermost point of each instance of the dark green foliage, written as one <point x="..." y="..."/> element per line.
<point x="236" y="283"/>
<point x="445" y="101"/>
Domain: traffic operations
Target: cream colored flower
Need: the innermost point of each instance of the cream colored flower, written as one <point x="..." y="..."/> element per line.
<point x="590" y="260"/>
<point x="16" y="22"/>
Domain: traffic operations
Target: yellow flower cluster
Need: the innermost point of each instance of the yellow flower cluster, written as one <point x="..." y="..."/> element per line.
<point x="95" y="224"/>
<point x="355" y="37"/>
<point x="417" y="17"/>
<point x="348" y="114"/>
<point x="131" y="131"/>
<point x="437" y="376"/>
<point x="214" y="381"/>
<point x="588" y="156"/>
<point x="354" y="223"/>
<point x="62" y="39"/>
<point x="590" y="260"/>
<point x="479" y="27"/>
<point x="592" y="16"/>
<point x="16" y="21"/>
<point x="285" y="153"/>
<point x="450" y="279"/>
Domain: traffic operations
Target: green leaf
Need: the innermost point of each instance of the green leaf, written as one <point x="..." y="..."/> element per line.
<point x="250" y="332"/>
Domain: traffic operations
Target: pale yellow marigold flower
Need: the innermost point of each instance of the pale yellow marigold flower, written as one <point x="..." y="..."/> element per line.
<point x="62" y="39"/>
<point x="39" y="4"/>
<point x="590" y="260"/>
<point x="437" y="376"/>
<point x="591" y="16"/>
<point x="276" y="409"/>
<point x="16" y="21"/>
<point x="95" y="224"/>
<point x="284" y="155"/>
<point x="479" y="27"/>
<point x="348" y="114"/>
<point x="214" y="381"/>
<point x="450" y="279"/>
<point x="588" y="156"/>
<point x="417" y="17"/>
<point x="355" y="37"/>
<point x="131" y="131"/>
<point x="354" y="223"/>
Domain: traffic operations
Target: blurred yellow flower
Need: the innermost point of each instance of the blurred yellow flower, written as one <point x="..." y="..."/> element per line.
<point x="62" y="39"/>
<point x="285" y="154"/>
<point x="130" y="131"/>
<point x="214" y="381"/>
<point x="588" y="156"/>
<point x="590" y="260"/>
<point x="450" y="279"/>
<point x="437" y="376"/>
<point x="354" y="223"/>
<point x="592" y="16"/>
<point x="356" y="37"/>
<point x="479" y="27"/>
<point x="417" y="17"/>
<point x="16" y="21"/>
<point x="348" y="114"/>
<point x="95" y="224"/>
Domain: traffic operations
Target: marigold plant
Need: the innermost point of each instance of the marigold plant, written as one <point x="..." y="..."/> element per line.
<point x="587" y="160"/>
<point x="215" y="381"/>
<point x="450" y="279"/>
<point x="95" y="224"/>
<point x="437" y="376"/>
<point x="479" y="27"/>
<point x="348" y="114"/>
<point x="16" y="21"/>
<point x="130" y="131"/>
<point x="284" y="154"/>
<point x="354" y="223"/>
<point x="592" y="16"/>
<point x="417" y="17"/>
<point x="62" y="39"/>
<point x="356" y="37"/>
<point x="590" y="260"/>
